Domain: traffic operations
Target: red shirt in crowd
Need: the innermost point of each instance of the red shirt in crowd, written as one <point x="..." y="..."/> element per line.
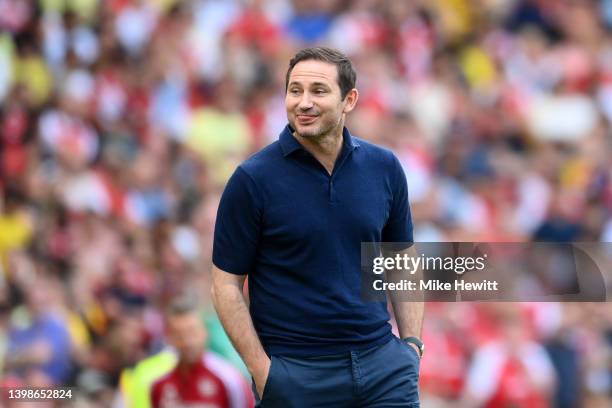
<point x="210" y="383"/>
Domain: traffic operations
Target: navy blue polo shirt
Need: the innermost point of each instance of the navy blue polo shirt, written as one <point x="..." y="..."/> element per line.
<point x="296" y="231"/>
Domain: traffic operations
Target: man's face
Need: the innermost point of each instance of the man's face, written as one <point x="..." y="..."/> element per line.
<point x="186" y="333"/>
<point x="313" y="101"/>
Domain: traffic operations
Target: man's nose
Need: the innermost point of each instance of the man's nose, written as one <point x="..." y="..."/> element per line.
<point x="305" y="101"/>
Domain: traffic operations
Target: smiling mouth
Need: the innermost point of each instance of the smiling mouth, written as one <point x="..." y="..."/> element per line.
<point x="306" y="118"/>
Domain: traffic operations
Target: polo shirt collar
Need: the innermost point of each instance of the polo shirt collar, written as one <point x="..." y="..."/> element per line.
<point x="289" y="144"/>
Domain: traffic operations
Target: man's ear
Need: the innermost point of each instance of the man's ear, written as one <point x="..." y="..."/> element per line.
<point x="351" y="100"/>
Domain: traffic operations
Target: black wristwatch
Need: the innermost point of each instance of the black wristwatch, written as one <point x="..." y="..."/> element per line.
<point x="417" y="342"/>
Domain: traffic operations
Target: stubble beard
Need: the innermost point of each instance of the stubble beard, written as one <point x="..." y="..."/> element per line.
<point x="325" y="129"/>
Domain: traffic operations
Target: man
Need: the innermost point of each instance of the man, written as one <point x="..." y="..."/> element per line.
<point x="199" y="378"/>
<point x="39" y="351"/>
<point x="511" y="370"/>
<point x="292" y="218"/>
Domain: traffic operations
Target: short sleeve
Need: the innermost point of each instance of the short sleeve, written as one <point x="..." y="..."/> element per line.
<point x="399" y="224"/>
<point x="238" y="225"/>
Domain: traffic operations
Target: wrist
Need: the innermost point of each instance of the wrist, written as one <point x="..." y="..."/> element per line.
<point x="260" y="366"/>
<point x="415" y="343"/>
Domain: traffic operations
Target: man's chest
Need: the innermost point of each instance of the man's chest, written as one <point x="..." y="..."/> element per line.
<point x="306" y="206"/>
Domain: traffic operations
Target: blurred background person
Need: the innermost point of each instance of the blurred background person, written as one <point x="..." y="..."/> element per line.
<point x="39" y="347"/>
<point x="510" y="371"/>
<point x="199" y="376"/>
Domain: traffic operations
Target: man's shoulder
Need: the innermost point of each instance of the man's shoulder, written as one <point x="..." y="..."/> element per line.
<point x="160" y="382"/>
<point x="262" y="162"/>
<point x="375" y="152"/>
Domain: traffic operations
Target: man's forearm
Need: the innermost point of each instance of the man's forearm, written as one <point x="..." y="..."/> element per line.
<point x="409" y="317"/>
<point x="408" y="312"/>
<point x="236" y="320"/>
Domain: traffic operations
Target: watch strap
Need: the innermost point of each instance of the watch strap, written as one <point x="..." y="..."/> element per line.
<point x="417" y="342"/>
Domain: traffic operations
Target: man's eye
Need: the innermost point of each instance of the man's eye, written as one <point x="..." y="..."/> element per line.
<point x="294" y="91"/>
<point x="319" y="91"/>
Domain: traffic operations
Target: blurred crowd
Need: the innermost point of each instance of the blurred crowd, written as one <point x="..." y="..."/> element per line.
<point x="121" y="120"/>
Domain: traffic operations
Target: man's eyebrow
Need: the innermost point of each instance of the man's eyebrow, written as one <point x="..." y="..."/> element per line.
<point x="320" y="84"/>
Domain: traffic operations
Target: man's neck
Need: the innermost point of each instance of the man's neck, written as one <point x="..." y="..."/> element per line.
<point x="185" y="367"/>
<point x="325" y="148"/>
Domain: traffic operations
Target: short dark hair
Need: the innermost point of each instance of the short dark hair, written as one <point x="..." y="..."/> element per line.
<point x="347" y="77"/>
<point x="182" y="305"/>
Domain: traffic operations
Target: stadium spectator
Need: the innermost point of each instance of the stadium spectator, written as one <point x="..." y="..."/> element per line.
<point x="199" y="377"/>
<point x="39" y="350"/>
<point x="512" y="370"/>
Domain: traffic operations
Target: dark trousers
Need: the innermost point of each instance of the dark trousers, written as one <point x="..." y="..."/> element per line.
<point x="383" y="376"/>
